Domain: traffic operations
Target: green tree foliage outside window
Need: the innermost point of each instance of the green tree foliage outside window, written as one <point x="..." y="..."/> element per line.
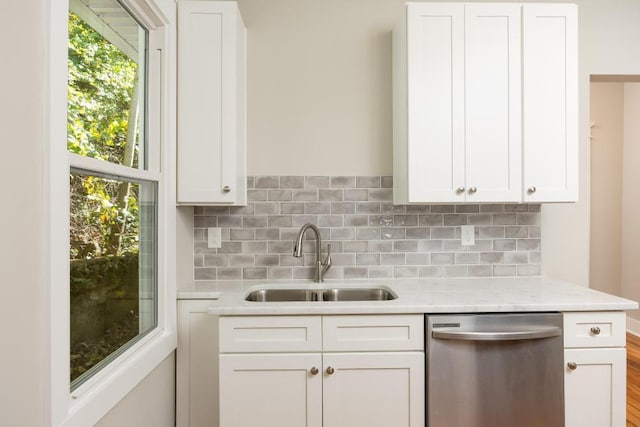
<point x="101" y="89"/>
<point x="103" y="121"/>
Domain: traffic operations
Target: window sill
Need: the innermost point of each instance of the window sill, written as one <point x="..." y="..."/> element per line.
<point x="94" y="399"/>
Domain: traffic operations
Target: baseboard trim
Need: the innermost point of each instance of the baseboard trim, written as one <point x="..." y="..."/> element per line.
<point x="633" y="326"/>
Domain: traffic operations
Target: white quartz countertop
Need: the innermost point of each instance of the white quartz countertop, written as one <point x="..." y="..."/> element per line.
<point x="463" y="295"/>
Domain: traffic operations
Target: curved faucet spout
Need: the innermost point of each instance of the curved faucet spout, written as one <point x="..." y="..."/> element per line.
<point x="321" y="266"/>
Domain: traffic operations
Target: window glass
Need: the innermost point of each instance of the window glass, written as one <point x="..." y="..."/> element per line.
<point x="112" y="268"/>
<point x="113" y="216"/>
<point x="106" y="90"/>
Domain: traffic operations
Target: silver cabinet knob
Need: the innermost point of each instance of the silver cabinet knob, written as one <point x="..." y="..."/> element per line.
<point x="531" y="190"/>
<point x="330" y="370"/>
<point x="460" y="190"/>
<point x="226" y="189"/>
<point x="595" y="330"/>
<point x="572" y="366"/>
<point x="314" y="371"/>
<point x="472" y="190"/>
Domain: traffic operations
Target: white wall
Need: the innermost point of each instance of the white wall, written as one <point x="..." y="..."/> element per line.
<point x="23" y="309"/>
<point x="319" y="86"/>
<point x="150" y="403"/>
<point x="609" y="34"/>
<point x="184" y="246"/>
<point x="607" y="108"/>
<point x="630" y="278"/>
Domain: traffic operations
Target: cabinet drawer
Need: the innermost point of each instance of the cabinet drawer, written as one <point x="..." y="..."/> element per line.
<point x="373" y="333"/>
<point x="262" y="334"/>
<point x="594" y="329"/>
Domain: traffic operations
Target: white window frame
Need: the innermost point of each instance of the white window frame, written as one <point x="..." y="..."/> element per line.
<point x="88" y="403"/>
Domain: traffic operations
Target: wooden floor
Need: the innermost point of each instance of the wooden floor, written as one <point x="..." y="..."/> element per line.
<point x="633" y="380"/>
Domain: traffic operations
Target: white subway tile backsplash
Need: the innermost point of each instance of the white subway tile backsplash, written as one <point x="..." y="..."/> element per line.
<point x="343" y="181"/>
<point x="254" y="273"/>
<point x="367" y="259"/>
<point x="305" y="195"/>
<point x="316" y="181"/>
<point x="370" y="237"/>
<point x="405" y="272"/>
<point x="429" y="271"/>
<point x="380" y="195"/>
<point x="338" y="208"/>
<point x="355" y="272"/>
<point x="480" y="271"/>
<point x="417" y="233"/>
<point x="267" y="182"/>
<point x="442" y="258"/>
<point x="291" y="182"/>
<point x="292" y="208"/>
<point x="355" y="246"/>
<point x="356" y="194"/>
<point x="368" y="181"/>
<point x="280" y="195"/>
<point x="380" y="272"/>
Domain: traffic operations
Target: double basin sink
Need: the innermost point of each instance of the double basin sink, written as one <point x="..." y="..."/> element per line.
<point x="318" y="295"/>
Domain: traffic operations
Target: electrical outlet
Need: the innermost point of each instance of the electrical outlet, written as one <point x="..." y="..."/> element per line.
<point x="467" y="237"/>
<point x="214" y="237"/>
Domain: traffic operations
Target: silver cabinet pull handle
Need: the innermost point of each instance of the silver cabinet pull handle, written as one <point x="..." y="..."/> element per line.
<point x="460" y="190"/>
<point x="595" y="330"/>
<point x="572" y="366"/>
<point x="531" y="190"/>
<point x="226" y="189"/>
<point x="314" y="371"/>
<point x="330" y="370"/>
<point x="472" y="190"/>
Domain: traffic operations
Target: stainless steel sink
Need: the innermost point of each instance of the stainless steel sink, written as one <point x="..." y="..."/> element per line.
<point x="282" y="295"/>
<point x="333" y="294"/>
<point x="357" y="294"/>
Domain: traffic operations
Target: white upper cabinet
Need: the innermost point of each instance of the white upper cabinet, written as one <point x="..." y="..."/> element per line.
<point x="458" y="104"/>
<point x="211" y="104"/>
<point x="428" y="97"/>
<point x="492" y="102"/>
<point x="550" y="105"/>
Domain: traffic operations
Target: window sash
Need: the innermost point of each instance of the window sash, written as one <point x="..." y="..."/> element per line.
<point x="87" y="15"/>
<point x="147" y="268"/>
<point x="102" y="167"/>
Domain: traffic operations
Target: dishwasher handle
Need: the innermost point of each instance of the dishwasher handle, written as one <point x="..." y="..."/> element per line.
<point x="532" y="334"/>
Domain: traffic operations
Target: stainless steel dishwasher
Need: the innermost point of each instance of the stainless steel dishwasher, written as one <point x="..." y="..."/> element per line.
<point x="495" y="370"/>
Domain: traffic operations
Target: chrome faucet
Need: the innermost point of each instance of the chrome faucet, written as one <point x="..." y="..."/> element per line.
<point x="321" y="266"/>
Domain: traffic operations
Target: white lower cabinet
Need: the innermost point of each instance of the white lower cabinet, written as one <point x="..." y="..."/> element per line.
<point x="270" y="390"/>
<point x="595" y="369"/>
<point x="380" y="384"/>
<point x="373" y="389"/>
<point x="595" y="388"/>
<point x="196" y="360"/>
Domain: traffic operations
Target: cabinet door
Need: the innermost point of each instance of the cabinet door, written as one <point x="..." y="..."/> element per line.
<point x="196" y="361"/>
<point x="211" y="103"/>
<point x="373" y="389"/>
<point x="493" y="102"/>
<point x="595" y="389"/>
<point x="550" y="90"/>
<point x="435" y="90"/>
<point x="270" y="390"/>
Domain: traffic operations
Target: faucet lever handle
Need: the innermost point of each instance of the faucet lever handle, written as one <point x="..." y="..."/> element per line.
<point x="327" y="261"/>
